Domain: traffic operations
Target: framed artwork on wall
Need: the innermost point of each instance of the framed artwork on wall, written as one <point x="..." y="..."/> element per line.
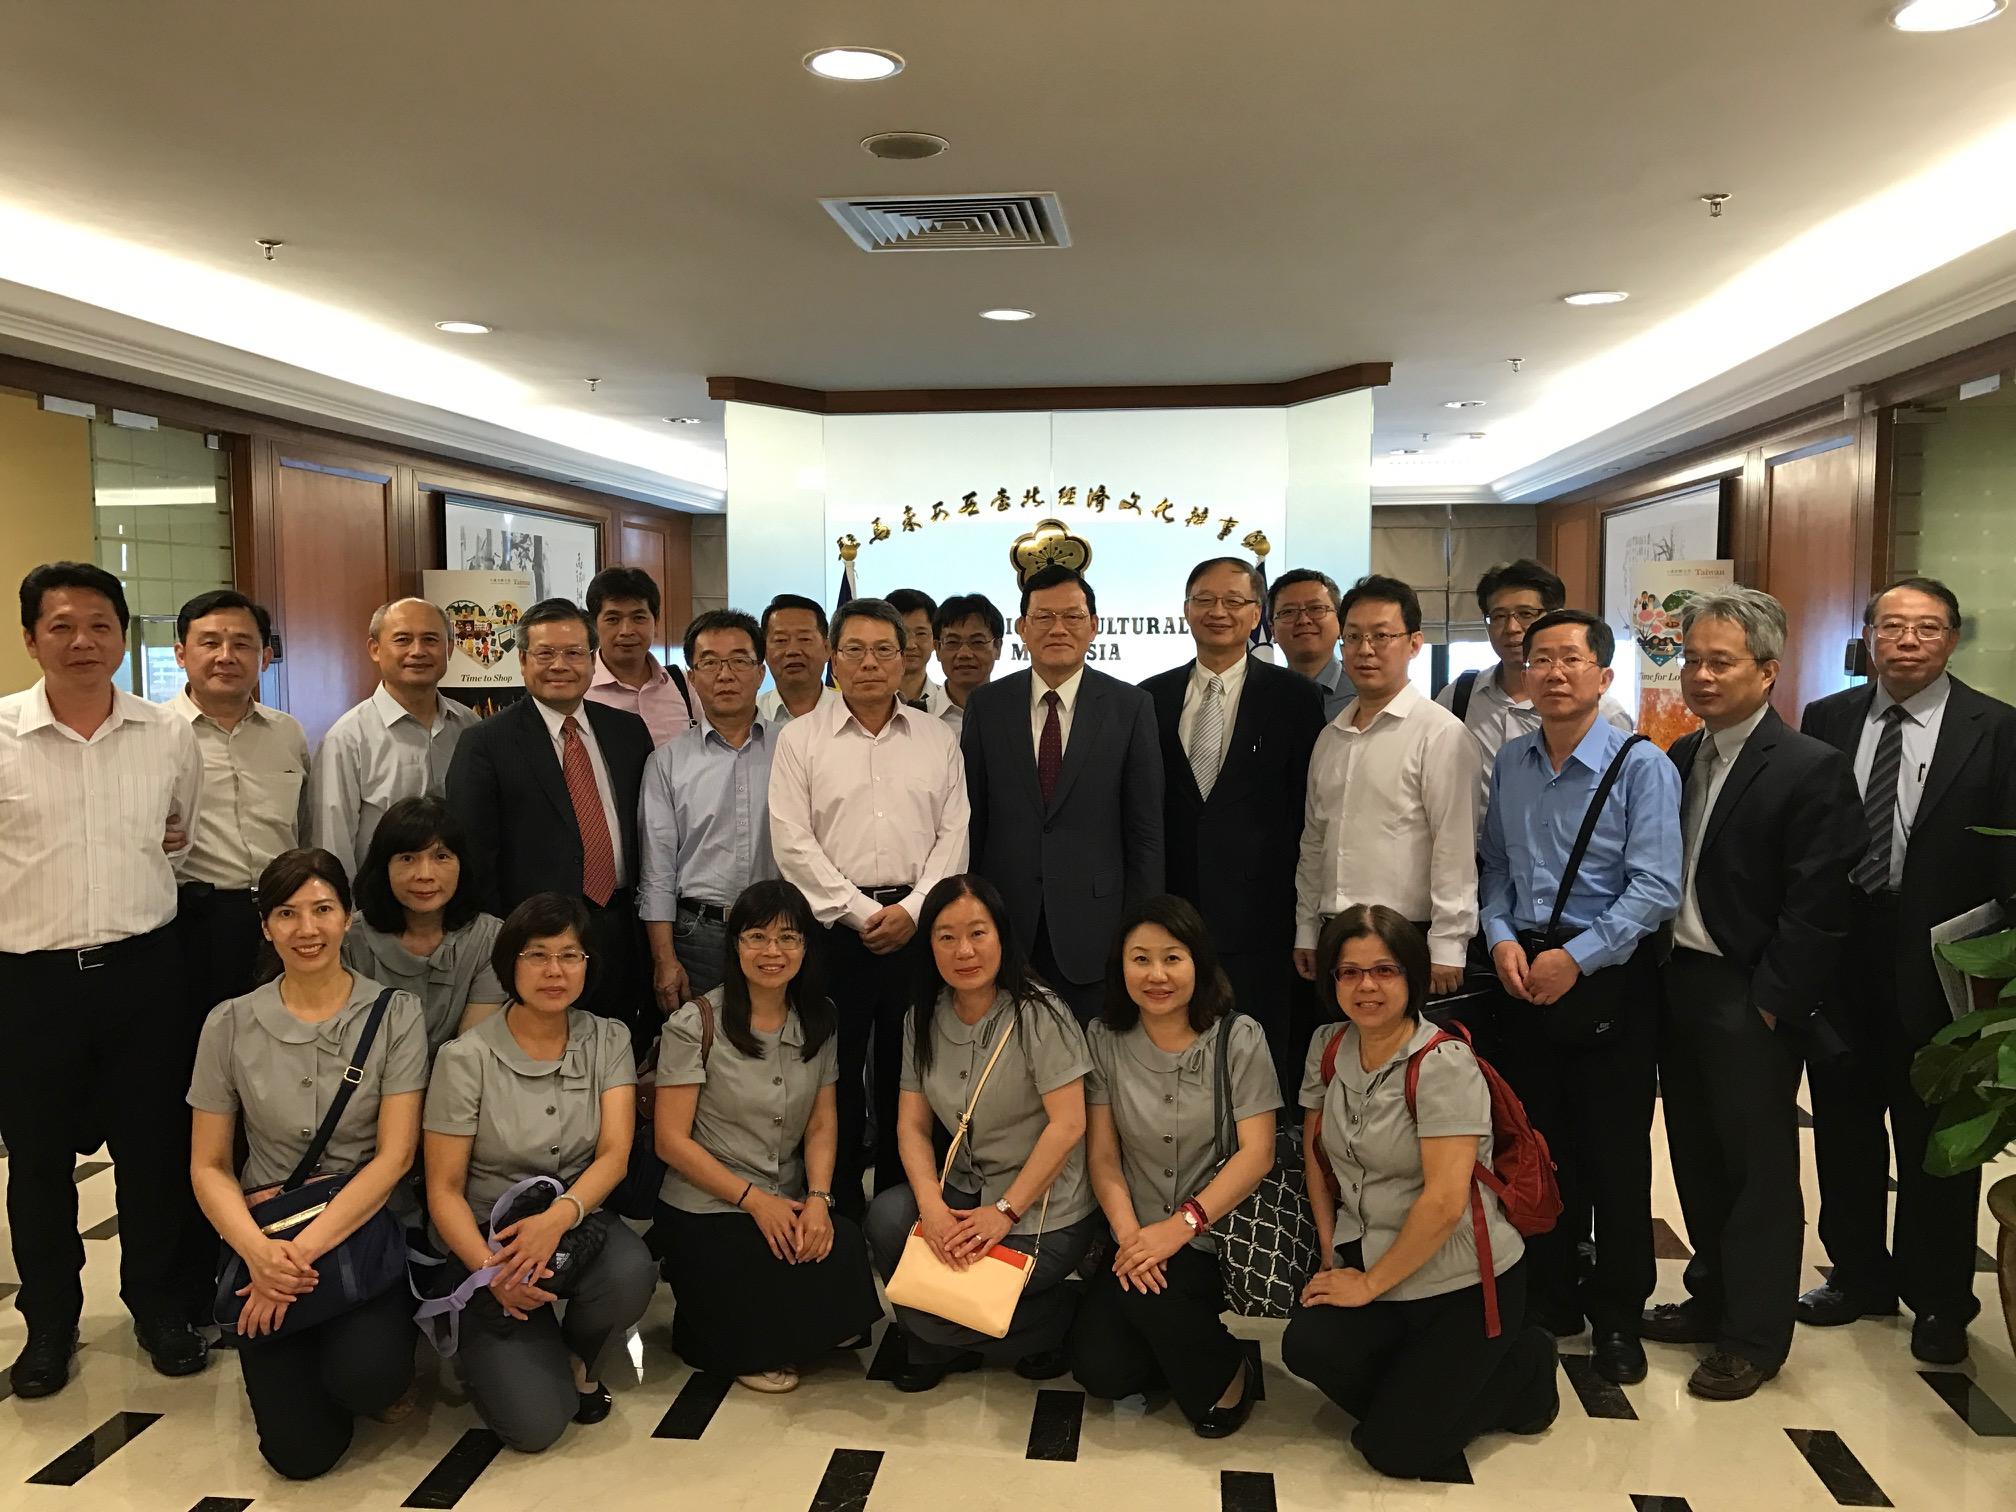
<point x="557" y="553"/>
<point x="1681" y="527"/>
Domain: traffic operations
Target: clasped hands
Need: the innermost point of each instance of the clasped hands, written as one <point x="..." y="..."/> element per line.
<point x="1543" y="980"/>
<point x="959" y="1236"/>
<point x="797" y="1232"/>
<point x="281" y="1273"/>
<point x="1140" y="1257"/>
<point x="525" y="1259"/>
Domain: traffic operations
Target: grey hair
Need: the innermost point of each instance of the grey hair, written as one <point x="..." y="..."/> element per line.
<point x="1760" y="616"/>
<point x="378" y="618"/>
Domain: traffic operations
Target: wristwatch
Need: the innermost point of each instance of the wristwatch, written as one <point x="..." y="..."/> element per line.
<point x="1007" y="1212"/>
<point x="1190" y="1218"/>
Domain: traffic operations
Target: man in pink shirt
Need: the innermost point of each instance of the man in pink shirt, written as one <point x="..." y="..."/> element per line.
<point x="623" y="603"/>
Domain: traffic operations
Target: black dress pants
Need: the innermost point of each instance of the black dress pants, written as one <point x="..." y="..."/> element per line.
<point x="1265" y="987"/>
<point x="620" y="987"/>
<point x="308" y="1389"/>
<point x="1125" y="1342"/>
<point x="1930" y="1260"/>
<point x="872" y="993"/>
<point x="1084" y="999"/>
<point x="99" y="1051"/>
<point x="1729" y="1087"/>
<point x="221" y="946"/>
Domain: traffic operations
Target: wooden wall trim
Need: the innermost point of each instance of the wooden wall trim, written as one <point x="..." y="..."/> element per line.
<point x="1343" y="380"/>
<point x="1994" y="356"/>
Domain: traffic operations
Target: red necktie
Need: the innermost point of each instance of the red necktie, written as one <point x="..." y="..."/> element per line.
<point x="1050" y="749"/>
<point x="598" y="852"/>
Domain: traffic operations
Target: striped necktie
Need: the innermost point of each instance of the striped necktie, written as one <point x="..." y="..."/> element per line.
<point x="1879" y="804"/>
<point x="1207" y="737"/>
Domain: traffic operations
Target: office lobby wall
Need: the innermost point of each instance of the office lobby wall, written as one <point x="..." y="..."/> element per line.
<point x="45" y="506"/>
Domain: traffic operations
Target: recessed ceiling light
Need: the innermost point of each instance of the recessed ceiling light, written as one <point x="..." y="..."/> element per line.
<point x="1596" y="297"/>
<point x="854" y="64"/>
<point x="1007" y="314"/>
<point x="682" y="419"/>
<point x="904" y="146"/>
<point x="1462" y="404"/>
<point x="1944" y="15"/>
<point x="461" y="328"/>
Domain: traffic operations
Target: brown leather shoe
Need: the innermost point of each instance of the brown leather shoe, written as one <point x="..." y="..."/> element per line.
<point x="1726" y="1377"/>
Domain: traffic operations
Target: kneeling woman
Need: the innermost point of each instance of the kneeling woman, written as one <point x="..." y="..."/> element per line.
<point x="541" y="1089"/>
<point x="766" y="1277"/>
<point x="1392" y="1328"/>
<point x="1018" y="1177"/>
<point x="1152" y="1321"/>
<point x="274" y="1061"/>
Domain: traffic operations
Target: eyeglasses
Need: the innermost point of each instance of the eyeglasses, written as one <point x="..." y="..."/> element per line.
<point x="1385" y="974"/>
<point x="787" y="940"/>
<point x="573" y="656"/>
<point x="1503" y="617"/>
<point x="1042" y="619"/>
<point x="1924" y="630"/>
<point x="1289" y="613"/>
<point x="1571" y="665"/>
<point x="1210" y="603"/>
<point x="1378" y="640"/>
<point x="853" y="654"/>
<point x="966" y="642"/>
<point x="566" y="960"/>
<point x="740" y="662"/>
<point x="1714" y="666"/>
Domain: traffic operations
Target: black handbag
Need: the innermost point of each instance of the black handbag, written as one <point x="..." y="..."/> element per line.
<point x="457" y="1292"/>
<point x="1591" y="1011"/>
<point x="366" y="1265"/>
<point x="1267" y="1247"/>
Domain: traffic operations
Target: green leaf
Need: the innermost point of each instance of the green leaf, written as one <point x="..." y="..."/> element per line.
<point x="1980" y="1021"/>
<point x="1970" y="1143"/>
<point x="1930" y="1068"/>
<point x="1975" y="1065"/>
<point x="1992" y="957"/>
<point x="1989" y="829"/>
<point x="2005" y="1063"/>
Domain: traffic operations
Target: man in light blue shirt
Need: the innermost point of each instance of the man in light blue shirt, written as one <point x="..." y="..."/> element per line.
<point x="705" y="812"/>
<point x="1577" y="1030"/>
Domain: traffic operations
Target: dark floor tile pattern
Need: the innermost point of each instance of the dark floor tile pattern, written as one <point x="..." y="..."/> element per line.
<point x="1256" y="1370"/>
<point x="1805" y="1119"/>
<point x="109" y="1229"/>
<point x="1245" y="1491"/>
<point x="1984" y="1263"/>
<point x="1666" y="1244"/>
<point x="87" y="1169"/>
<point x="449" y="1481"/>
<point x="1455" y="1473"/>
<point x="1600" y="1398"/>
<point x="1974" y="1407"/>
<point x="693" y="1409"/>
<point x="1839" y="1471"/>
<point x="88" y="1453"/>
<point x="1054" y="1425"/>
<point x="850" y="1476"/>
<point x="1659" y="1503"/>
<point x="890" y="1356"/>
<point x="222" y="1504"/>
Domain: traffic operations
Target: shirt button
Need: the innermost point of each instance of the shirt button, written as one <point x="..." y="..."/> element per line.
<point x="307" y="1081"/>
<point x="1168" y="1139"/>
<point x="776" y="1081"/>
<point x="1167" y="1172"/>
<point x="307" y="1133"/>
<point x="552" y="1149"/>
<point x="962" y="1076"/>
<point x="1168" y="1097"/>
<point x="776" y="1120"/>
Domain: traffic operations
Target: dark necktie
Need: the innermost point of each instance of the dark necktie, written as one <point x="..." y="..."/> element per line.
<point x="598" y="851"/>
<point x="1050" y="749"/>
<point x="1879" y="804"/>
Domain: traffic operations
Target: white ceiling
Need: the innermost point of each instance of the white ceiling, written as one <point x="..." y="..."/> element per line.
<point x="629" y="189"/>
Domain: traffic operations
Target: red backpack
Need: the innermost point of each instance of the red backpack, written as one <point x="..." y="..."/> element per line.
<point x="1521" y="1173"/>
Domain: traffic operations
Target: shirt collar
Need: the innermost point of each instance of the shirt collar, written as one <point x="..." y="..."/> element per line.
<point x="1729" y="743"/>
<point x="1067" y="690"/>
<point x="36" y="713"/>
<point x="1920" y="706"/>
<point x="1191" y="1064"/>
<point x="184" y="703"/>
<point x="274" y="1018"/>
<point x="957" y="1031"/>
<point x="709" y="736"/>
<point x="843" y="716"/>
<point x="1399" y="706"/>
<point x="391" y="712"/>
<point x="554" y="718"/>
<point x="1233" y="677"/>
<point x="1348" y="1066"/>
<point x="656" y="677"/>
<point x="496" y="1035"/>
<point x="1329" y="674"/>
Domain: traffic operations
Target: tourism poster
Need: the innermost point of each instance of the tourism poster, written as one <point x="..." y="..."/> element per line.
<point x="1659" y="589"/>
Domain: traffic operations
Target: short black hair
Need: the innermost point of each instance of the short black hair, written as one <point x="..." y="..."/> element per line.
<point x="1252" y="572"/>
<point x="50" y="575"/>
<point x="1297" y="575"/>
<point x="554" y="611"/>
<point x="285" y="875"/>
<point x="1376" y="588"/>
<point x="1524" y="572"/>
<point x="1055" y="576"/>
<point x="1601" y="638"/>
<point x="413" y="824"/>
<point x="965" y="606"/>
<point x="540" y="917"/>
<point x="1390" y="928"/>
<point x="621" y="583"/>
<point x="1930" y="587"/>
<point x="218" y="601"/>
<point x="722" y="619"/>
<point x="775" y="902"/>
<point x="1210" y="993"/>
<point x="879" y="610"/>
<point x="794" y="601"/>
<point x="910" y="600"/>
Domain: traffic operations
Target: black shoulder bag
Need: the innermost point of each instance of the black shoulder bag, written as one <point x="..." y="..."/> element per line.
<point x="366" y="1265"/>
<point x="1267" y="1244"/>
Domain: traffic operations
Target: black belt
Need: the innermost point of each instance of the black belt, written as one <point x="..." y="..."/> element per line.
<point x="894" y="893"/>
<point x="712" y="911"/>
<point x="91" y="957"/>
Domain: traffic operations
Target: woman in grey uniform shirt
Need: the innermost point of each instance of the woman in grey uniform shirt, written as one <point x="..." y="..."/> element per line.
<point x="541" y="1089"/>
<point x="766" y="1275"/>
<point x="1153" y="1319"/>
<point x="272" y="1061"/>
<point x="421" y="928"/>
<point x="1025" y="1147"/>
<point x="1392" y="1327"/>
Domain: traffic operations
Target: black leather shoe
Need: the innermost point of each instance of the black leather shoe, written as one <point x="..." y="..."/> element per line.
<point x="594" y="1406"/>
<point x="175" y="1348"/>
<point x="1678" y="1323"/>
<point x="1725" y="1377"/>
<point x="923" y="1375"/>
<point x="1047" y="1366"/>
<point x="1829" y="1307"/>
<point x="1618" y="1356"/>
<point x="1223" y="1422"/>
<point x="43" y="1366"/>
<point x="1938" y="1340"/>
<point x="1538" y="1414"/>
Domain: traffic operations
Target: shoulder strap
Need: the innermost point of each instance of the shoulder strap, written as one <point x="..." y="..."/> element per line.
<point x="1327" y="1067"/>
<point x="1459" y="701"/>
<point x="1224" y="1132"/>
<point x="352" y="1075"/>
<point x="966" y="1118"/>
<point x="1588" y="831"/>
<point x="1440" y="1037"/>
<point x="679" y="682"/>
<point x="706" y="1028"/>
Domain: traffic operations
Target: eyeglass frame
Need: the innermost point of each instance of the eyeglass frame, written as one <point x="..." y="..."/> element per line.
<point x="882" y="651"/>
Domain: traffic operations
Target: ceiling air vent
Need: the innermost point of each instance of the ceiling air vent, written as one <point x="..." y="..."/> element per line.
<point x="951" y="222"/>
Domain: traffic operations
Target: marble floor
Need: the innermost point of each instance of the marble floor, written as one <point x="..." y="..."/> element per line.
<point x="1852" y="1421"/>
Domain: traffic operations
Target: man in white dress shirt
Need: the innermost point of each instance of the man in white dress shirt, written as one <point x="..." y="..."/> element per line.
<point x="968" y="630"/>
<point x="794" y="649"/>
<point x="1393" y="789"/>
<point x="396" y="744"/>
<point x="920" y="613"/>
<point x="91" y="975"/>
<point x="867" y="814"/>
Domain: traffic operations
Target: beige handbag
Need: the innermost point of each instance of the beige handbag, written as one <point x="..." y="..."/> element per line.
<point x="983" y="1296"/>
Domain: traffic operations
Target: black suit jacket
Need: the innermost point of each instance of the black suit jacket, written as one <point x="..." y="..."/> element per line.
<point x="1948" y="869"/>
<point x="505" y="787"/>
<point x="1095" y="850"/>
<point x="1771" y="879"/>
<point x="1233" y="854"/>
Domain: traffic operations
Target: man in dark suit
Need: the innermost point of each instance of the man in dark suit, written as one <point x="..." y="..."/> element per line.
<point x="546" y="791"/>
<point x="1064" y="773"/>
<point x="1933" y="758"/>
<point x="1236" y="735"/>
<point x="1770" y="823"/>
